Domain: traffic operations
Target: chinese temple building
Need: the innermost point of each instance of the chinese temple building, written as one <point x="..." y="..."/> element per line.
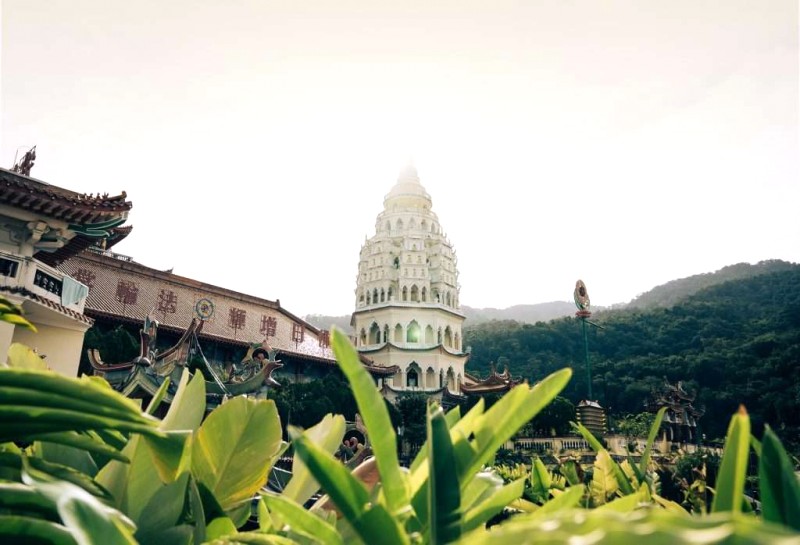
<point x="197" y="319"/>
<point x="680" y="418"/>
<point x="407" y="314"/>
<point x="41" y="226"/>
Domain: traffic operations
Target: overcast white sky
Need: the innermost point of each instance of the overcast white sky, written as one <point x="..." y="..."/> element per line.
<point x="626" y="143"/>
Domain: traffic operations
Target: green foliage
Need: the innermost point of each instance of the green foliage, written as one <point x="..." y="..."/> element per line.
<point x="608" y="527"/>
<point x="328" y="435"/>
<point x="780" y="486"/>
<point x="304" y="404"/>
<point x="733" y="470"/>
<point x="412" y="409"/>
<point x="554" y="420"/>
<point x="99" y="467"/>
<point x="115" y="344"/>
<point x="186" y="479"/>
<point x="444" y="494"/>
<point x="13" y="314"/>
<point x="694" y="472"/>
<point x="233" y="449"/>
<point x="634" y="425"/>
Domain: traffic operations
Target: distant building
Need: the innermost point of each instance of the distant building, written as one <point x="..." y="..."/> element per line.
<point x="42" y="225"/>
<point x="680" y="418"/>
<point x="592" y="416"/>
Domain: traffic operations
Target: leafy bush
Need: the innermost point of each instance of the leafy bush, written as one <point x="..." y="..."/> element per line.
<point x="81" y="464"/>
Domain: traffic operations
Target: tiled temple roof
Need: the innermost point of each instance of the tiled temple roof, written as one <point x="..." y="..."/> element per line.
<point x="92" y="217"/>
<point x="495" y="382"/>
<point x="55" y="202"/>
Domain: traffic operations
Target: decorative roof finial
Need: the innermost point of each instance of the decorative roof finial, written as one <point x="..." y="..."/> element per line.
<point x="25" y="165"/>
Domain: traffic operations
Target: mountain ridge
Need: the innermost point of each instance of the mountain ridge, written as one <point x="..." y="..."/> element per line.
<point x="663" y="295"/>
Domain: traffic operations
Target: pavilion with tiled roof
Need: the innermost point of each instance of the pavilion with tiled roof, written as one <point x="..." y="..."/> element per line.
<point x="41" y="226"/>
<point x="493" y="384"/>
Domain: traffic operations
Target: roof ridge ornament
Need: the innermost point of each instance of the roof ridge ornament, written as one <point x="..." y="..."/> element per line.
<point x="24" y="165"/>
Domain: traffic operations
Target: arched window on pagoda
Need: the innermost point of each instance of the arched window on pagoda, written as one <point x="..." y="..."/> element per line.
<point x="415" y="293"/>
<point x="405" y="293"/>
<point x="430" y="378"/>
<point x="448" y="337"/>
<point x="451" y="379"/>
<point x="362" y="338"/>
<point x="369" y="301"/>
<point x="458" y="341"/>
<point x="388" y="225"/>
<point x="383" y="295"/>
<point x="429" y="335"/>
<point x="424" y="225"/>
<point x="374" y="334"/>
<point x="398" y="333"/>
<point x="439" y="336"/>
<point x="386" y="333"/>
<point x="412" y="378"/>
<point x="412" y="224"/>
<point x="424" y="294"/>
<point x="399" y="225"/>
<point x="413" y="375"/>
<point x="389" y="295"/>
<point x="412" y="333"/>
<point x="375" y="295"/>
<point x="447" y="299"/>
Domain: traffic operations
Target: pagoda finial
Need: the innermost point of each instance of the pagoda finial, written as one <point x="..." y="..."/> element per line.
<point x="409" y="172"/>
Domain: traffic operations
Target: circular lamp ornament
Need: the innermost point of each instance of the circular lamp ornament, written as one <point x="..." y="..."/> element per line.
<point x="204" y="309"/>
<point x="581" y="296"/>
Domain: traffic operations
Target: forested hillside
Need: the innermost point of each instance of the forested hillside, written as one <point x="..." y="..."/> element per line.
<point x="675" y="291"/>
<point x="736" y="342"/>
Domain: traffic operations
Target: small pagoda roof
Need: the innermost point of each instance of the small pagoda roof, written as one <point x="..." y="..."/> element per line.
<point x="495" y="382"/>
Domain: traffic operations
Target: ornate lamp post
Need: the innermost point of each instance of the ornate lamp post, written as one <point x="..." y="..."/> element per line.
<point x="583" y="303"/>
<point x="590" y="413"/>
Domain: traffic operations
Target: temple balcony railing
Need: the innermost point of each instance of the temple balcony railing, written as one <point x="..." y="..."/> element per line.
<point x="109" y="253"/>
<point x="35" y="277"/>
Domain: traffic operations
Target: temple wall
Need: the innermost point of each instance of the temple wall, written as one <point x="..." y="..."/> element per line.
<point x="62" y="347"/>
